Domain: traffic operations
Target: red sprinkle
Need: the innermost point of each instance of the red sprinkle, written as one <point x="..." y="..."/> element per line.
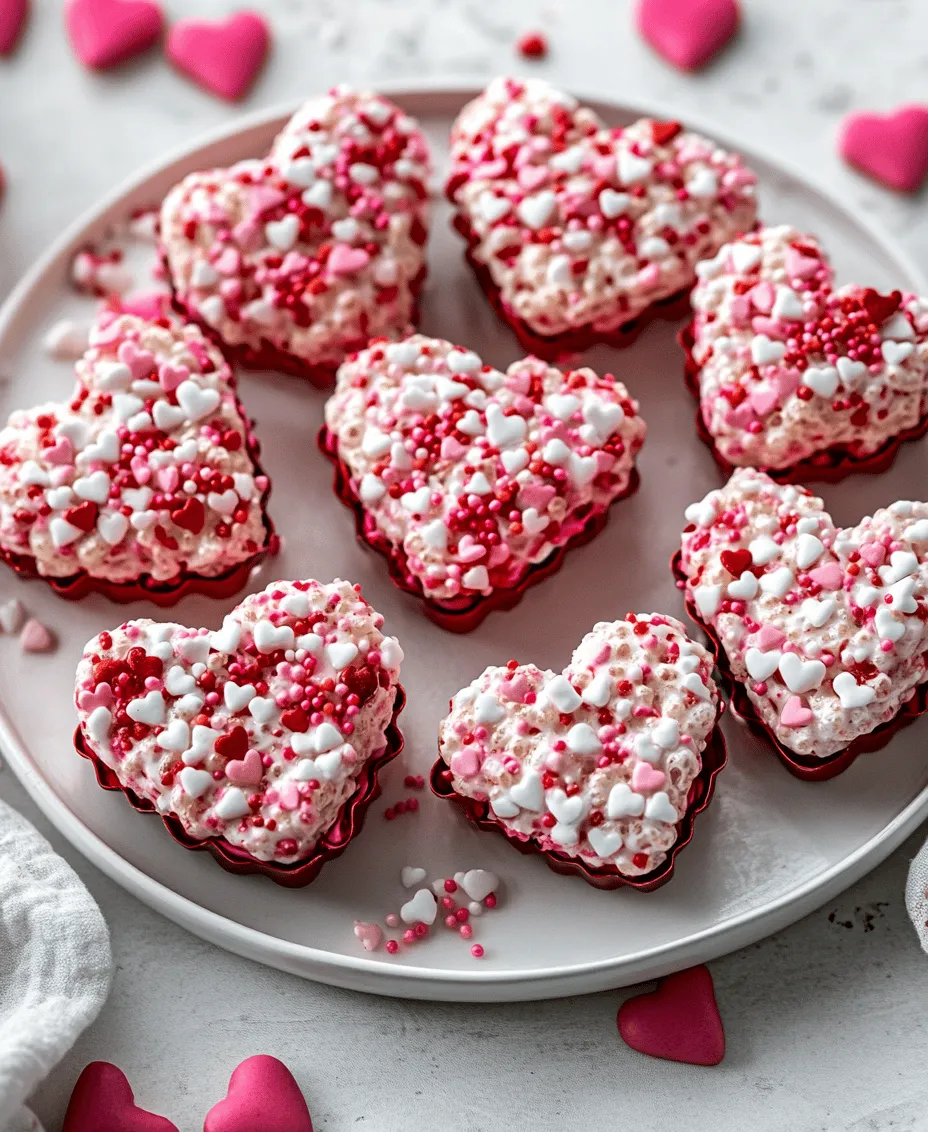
<point x="532" y="45"/>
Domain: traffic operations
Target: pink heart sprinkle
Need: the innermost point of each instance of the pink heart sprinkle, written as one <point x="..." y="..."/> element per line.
<point x="466" y="762"/>
<point x="763" y="296"/>
<point x="13" y="14"/>
<point x="873" y="553"/>
<point x="102" y="1101"/>
<point x="249" y="771"/>
<point x="515" y="689"/>
<point x="892" y="148"/>
<point x="370" y="935"/>
<point x="763" y="399"/>
<point x="101" y="696"/>
<point x="688" y="33"/>
<point x="345" y="260"/>
<point x="679" y="1021"/>
<point x="469" y="550"/>
<point x="223" y="58"/>
<point x="288" y="796"/>
<point x="150" y="305"/>
<point x="105" y="33"/>
<point x="168" y="479"/>
<point x="452" y="449"/>
<point x="537" y="495"/>
<point x="61" y="452"/>
<point x="35" y="637"/>
<point x="170" y="376"/>
<point x="263" y="1097"/>
<point x="795" y="713"/>
<point x="646" y="778"/>
<point x="799" y="266"/>
<point x="141" y="362"/>
<point x="829" y="576"/>
<point x="533" y="176"/>
<point x="769" y="637"/>
<point x="140" y="469"/>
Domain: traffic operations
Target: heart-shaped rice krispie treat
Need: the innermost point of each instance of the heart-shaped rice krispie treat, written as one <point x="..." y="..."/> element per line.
<point x="294" y="260"/>
<point x="795" y="376"/>
<point x="469" y="478"/>
<point x="576" y="229"/>
<point x="823" y="627"/>
<point x="262" y="739"/>
<point x="601" y="767"/>
<point x="146" y="482"/>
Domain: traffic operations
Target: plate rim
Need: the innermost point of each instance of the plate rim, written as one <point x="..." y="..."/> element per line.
<point x="408" y="980"/>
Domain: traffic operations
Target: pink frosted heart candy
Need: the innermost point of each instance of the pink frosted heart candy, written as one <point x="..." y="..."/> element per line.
<point x="345" y="260"/>
<point x="892" y="148"/>
<point x="13" y="14"/>
<point x="795" y="713"/>
<point x="370" y="935"/>
<point x="688" y="33"/>
<point x="35" y="637"/>
<point x="105" y="33"/>
<point x="262" y="1097"/>
<point x="679" y="1021"/>
<point x="223" y="58"/>
<point x="102" y="1101"/>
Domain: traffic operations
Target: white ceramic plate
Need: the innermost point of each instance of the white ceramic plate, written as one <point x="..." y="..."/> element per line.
<point x="769" y="849"/>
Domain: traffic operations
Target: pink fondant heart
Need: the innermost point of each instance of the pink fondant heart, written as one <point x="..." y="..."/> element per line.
<point x="346" y="261"/>
<point x="223" y="58"/>
<point x="102" y="1101"/>
<point x="688" y="33"/>
<point x="892" y="148"/>
<point x="61" y="453"/>
<point x="105" y="33"/>
<point x="263" y="1097"/>
<point x="679" y="1021"/>
<point x="13" y="15"/>
<point x="795" y="713"/>
<point x="140" y="362"/>
<point x="35" y="637"/>
<point x="247" y="771"/>
<point x="647" y="778"/>
<point x="370" y="935"/>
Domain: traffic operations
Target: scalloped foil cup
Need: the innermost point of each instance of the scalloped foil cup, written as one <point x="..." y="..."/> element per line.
<point x="802" y="766"/>
<point x="714" y="758"/>
<point x="829" y="466"/>
<point x="557" y="346"/>
<point x="347" y="825"/>
<point x="462" y="615"/>
<point x="269" y="356"/>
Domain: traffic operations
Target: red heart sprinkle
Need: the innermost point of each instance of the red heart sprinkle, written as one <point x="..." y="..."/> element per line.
<point x="102" y="1101"/>
<point x="104" y="33"/>
<point x="881" y="307"/>
<point x="736" y="561"/>
<point x="192" y="516"/>
<point x="892" y="149"/>
<point x="262" y="1097"/>
<point x="688" y="33"/>
<point x="295" y="719"/>
<point x="84" y="516"/>
<point x="663" y="132"/>
<point x="233" y="744"/>
<point x="222" y="58"/>
<point x="13" y="14"/>
<point x="679" y="1021"/>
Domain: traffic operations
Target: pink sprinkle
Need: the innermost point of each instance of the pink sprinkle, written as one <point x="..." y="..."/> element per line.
<point x="477" y="951"/>
<point x="466" y="931"/>
<point x="36" y="638"/>
<point x="393" y="920"/>
<point x="392" y="946"/>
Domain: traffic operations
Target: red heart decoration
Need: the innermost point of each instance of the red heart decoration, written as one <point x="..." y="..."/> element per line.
<point x="688" y="33"/>
<point x="105" y="33"/>
<point x="102" y="1101"/>
<point x="679" y="1021"/>
<point x="223" y="58"/>
<point x="891" y="148"/>
<point x="263" y="1097"/>
<point x="13" y="14"/>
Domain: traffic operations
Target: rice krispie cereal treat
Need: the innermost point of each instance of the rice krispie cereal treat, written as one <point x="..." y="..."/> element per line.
<point x="144" y="483"/>
<point x="824" y="628"/>
<point x="296" y="259"/>
<point x="602" y="766"/>
<point x="576" y="229"/>
<point x="794" y="376"/>
<point x="467" y="477"/>
<point x="260" y="738"/>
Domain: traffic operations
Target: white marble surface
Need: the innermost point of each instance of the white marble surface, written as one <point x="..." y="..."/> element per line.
<point x="825" y="1022"/>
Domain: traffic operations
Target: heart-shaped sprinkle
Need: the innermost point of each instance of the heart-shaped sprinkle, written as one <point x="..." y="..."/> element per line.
<point x="679" y="1021"/>
<point x="619" y="774"/>
<point x="105" y="33"/>
<point x="436" y="507"/>
<point x="224" y="58"/>
<point x="253" y="252"/>
<point x="688" y="33"/>
<point x="854" y="380"/>
<point x="825" y="654"/>
<point x="223" y="771"/>
<point x="35" y="637"/>
<point x="13" y="16"/>
<point x="103" y="1101"/>
<point x="106" y="521"/>
<point x="411" y="876"/>
<point x="650" y="202"/>
<point x="892" y="148"/>
<point x="422" y="908"/>
<point x="370" y="935"/>
<point x="263" y="1097"/>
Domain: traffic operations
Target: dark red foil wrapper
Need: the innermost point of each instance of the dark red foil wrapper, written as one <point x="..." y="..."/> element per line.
<point x="556" y="346"/>
<point x="298" y="874"/>
<point x="463" y="614"/>
<point x="479" y="814"/>
<point x="828" y="466"/>
<point x="802" y="766"/>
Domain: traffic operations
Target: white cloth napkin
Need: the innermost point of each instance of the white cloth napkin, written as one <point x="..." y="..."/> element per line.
<point x="55" y="964"/>
<point x="916" y="895"/>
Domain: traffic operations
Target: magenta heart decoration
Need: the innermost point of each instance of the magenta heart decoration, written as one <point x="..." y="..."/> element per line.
<point x="688" y="33"/>
<point x="102" y="1101"/>
<point x="105" y="33"/>
<point x="13" y="17"/>
<point x="224" y="58"/>
<point x="822" y="631"/>
<point x="799" y="377"/>
<point x="263" y="1097"/>
<point x="891" y="148"/>
<point x="679" y="1021"/>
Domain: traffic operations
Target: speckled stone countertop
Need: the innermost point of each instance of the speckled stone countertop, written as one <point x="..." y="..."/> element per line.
<point x="825" y="1022"/>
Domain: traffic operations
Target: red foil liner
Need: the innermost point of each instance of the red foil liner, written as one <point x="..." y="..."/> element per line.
<point x="269" y="356"/>
<point x="146" y="588"/>
<point x="479" y="814"/>
<point x="828" y="466"/>
<point x="554" y="347"/>
<point x="461" y="615"/>
<point x="802" y="766"/>
<point x="331" y="844"/>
